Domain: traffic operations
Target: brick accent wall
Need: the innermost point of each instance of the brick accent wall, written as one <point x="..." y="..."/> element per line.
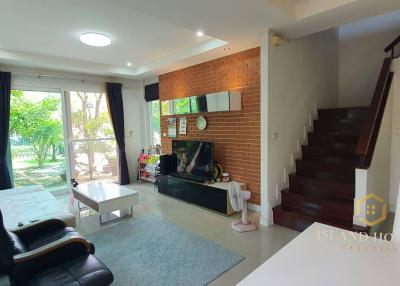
<point x="236" y="135"/>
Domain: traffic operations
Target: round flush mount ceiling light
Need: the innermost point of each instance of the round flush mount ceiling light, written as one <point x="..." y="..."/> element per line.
<point x="95" y="39"/>
<point x="128" y="64"/>
<point x="227" y="49"/>
<point x="200" y="33"/>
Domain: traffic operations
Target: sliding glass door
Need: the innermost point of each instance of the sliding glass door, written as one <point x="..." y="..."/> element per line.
<point x="37" y="139"/>
<point x="56" y="136"/>
<point x="92" y="146"/>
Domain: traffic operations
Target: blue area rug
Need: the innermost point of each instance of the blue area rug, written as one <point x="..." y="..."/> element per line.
<point x="153" y="251"/>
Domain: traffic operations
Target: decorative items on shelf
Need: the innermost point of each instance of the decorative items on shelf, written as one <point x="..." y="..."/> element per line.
<point x="152" y="150"/>
<point x="217" y="171"/>
<point x="149" y="164"/>
<point x="225" y="177"/>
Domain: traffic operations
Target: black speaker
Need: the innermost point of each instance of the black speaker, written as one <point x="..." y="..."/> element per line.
<point x="168" y="164"/>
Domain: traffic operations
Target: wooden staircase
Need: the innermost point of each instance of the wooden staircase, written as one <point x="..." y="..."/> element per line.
<point x="323" y="187"/>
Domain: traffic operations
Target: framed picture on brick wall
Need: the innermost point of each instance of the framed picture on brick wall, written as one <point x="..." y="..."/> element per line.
<point x="182" y="125"/>
<point x="171" y="127"/>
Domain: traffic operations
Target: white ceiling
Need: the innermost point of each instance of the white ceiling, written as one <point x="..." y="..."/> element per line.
<point x="158" y="36"/>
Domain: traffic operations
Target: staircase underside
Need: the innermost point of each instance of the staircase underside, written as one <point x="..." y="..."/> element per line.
<point x="323" y="187"/>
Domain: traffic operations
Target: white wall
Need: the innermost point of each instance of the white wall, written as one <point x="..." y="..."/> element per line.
<point x="361" y="55"/>
<point x="133" y="97"/>
<point x="302" y="76"/>
<point x="395" y="142"/>
<point x="376" y="179"/>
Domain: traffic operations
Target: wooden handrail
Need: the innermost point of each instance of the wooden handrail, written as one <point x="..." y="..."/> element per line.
<point x="392" y="45"/>
<point x="366" y="144"/>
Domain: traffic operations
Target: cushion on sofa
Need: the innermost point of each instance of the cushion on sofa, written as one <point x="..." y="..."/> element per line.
<point x="22" y="190"/>
<point x="82" y="271"/>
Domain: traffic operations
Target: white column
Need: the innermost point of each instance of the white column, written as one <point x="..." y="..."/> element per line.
<point x="266" y="217"/>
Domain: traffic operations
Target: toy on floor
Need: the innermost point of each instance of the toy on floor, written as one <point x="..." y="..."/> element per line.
<point x="239" y="200"/>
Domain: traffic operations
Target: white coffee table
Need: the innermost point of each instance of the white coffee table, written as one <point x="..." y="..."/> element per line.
<point x="105" y="197"/>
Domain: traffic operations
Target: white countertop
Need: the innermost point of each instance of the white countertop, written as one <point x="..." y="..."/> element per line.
<point x="104" y="191"/>
<point x="327" y="256"/>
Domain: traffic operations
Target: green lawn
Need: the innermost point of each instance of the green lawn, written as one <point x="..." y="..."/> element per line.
<point x="22" y="163"/>
<point x="27" y="172"/>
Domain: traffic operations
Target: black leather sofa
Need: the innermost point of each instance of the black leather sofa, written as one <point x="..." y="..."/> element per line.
<point x="50" y="253"/>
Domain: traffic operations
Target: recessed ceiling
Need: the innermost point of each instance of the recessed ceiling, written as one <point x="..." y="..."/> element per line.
<point x="154" y="35"/>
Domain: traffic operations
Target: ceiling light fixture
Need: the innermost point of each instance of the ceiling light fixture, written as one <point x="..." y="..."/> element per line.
<point x="227" y="49"/>
<point x="95" y="39"/>
<point x="129" y="64"/>
<point x="200" y="33"/>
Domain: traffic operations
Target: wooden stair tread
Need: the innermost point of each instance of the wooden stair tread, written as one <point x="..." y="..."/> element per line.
<point x="340" y="113"/>
<point x="323" y="138"/>
<point x="321" y="188"/>
<point x="342" y="171"/>
<point x="300" y="222"/>
<point x="344" y="151"/>
<point x="317" y="206"/>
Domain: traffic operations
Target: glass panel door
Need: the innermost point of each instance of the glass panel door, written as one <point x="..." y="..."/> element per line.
<point x="93" y="149"/>
<point x="37" y="139"/>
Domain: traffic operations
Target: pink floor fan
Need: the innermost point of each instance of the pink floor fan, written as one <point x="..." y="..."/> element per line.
<point x="239" y="200"/>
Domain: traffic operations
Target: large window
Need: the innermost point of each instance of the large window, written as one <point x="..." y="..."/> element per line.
<point x="93" y="151"/>
<point x="37" y="139"/>
<point x="42" y="155"/>
<point x="155" y="122"/>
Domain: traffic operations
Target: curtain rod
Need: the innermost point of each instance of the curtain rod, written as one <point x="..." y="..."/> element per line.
<point x="39" y="75"/>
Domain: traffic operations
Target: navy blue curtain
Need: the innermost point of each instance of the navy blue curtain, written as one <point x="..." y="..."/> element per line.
<point x="151" y="92"/>
<point x="5" y="95"/>
<point x="116" y="110"/>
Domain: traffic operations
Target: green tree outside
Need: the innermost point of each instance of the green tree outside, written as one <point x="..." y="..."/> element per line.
<point x="34" y="123"/>
<point x="90" y="123"/>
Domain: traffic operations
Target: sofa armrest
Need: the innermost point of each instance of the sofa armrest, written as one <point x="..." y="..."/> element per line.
<point x="32" y="230"/>
<point x="72" y="246"/>
<point x="59" y="252"/>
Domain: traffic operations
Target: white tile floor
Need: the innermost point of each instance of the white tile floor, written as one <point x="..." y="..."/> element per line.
<point x="256" y="246"/>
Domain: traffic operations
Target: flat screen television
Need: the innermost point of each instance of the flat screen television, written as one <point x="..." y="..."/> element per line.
<point x="194" y="157"/>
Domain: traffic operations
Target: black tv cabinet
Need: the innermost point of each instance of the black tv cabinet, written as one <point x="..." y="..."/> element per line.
<point x="210" y="196"/>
